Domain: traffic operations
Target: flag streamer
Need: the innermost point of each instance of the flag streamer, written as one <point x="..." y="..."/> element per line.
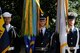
<point x="1" y="26"/>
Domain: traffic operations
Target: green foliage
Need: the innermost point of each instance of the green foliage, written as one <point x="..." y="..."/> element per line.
<point x="74" y="6"/>
<point x="15" y="7"/>
<point x="49" y="8"/>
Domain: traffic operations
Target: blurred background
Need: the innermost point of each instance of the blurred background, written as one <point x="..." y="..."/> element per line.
<point x="48" y="6"/>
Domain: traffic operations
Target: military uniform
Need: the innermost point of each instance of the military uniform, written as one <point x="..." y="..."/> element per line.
<point x="42" y="42"/>
<point x="12" y="34"/>
<point x="43" y="37"/>
<point x="12" y="37"/>
<point x="72" y="40"/>
<point x="73" y="35"/>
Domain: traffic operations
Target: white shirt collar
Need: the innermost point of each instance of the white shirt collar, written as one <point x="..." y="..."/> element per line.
<point x="8" y="27"/>
<point x="72" y="28"/>
<point x="43" y="30"/>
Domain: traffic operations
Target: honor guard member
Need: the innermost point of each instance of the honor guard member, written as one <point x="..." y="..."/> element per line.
<point x="73" y="34"/>
<point x="11" y="32"/>
<point x="43" y="37"/>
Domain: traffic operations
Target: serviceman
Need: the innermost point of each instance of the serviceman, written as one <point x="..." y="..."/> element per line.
<point x="43" y="37"/>
<point x="11" y="32"/>
<point x="73" y="34"/>
<point x="73" y="37"/>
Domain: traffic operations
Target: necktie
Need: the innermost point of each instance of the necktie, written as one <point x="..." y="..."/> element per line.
<point x="70" y="31"/>
<point x="41" y="32"/>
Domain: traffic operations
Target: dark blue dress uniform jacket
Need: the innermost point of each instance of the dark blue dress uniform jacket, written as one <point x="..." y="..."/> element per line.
<point x="42" y="40"/>
<point x="14" y="40"/>
<point x="71" y="40"/>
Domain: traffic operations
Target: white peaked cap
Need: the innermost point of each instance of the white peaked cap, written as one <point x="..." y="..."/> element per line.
<point x="7" y="14"/>
<point x="72" y="14"/>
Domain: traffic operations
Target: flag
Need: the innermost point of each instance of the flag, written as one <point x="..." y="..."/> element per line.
<point x="1" y="26"/>
<point x="40" y="11"/>
<point x="29" y="24"/>
<point x="61" y="24"/>
<point x="47" y="22"/>
<point x="4" y="37"/>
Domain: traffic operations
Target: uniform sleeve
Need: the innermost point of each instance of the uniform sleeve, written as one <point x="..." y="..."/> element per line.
<point x="14" y="33"/>
<point x="55" y="47"/>
<point x="49" y="36"/>
<point x="15" y="39"/>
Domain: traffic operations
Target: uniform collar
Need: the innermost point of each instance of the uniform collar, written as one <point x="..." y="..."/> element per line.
<point x="72" y="28"/>
<point x="8" y="27"/>
<point x="43" y="30"/>
<point x="43" y="27"/>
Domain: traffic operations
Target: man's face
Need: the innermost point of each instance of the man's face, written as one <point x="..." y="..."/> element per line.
<point x="42" y="22"/>
<point x="71" y="22"/>
<point x="7" y="20"/>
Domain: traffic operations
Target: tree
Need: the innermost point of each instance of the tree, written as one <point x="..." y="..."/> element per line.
<point x="49" y="7"/>
<point x="15" y="7"/>
<point x="74" y="6"/>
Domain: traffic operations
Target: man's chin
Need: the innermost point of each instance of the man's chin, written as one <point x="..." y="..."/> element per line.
<point x="7" y="23"/>
<point x="71" y="25"/>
